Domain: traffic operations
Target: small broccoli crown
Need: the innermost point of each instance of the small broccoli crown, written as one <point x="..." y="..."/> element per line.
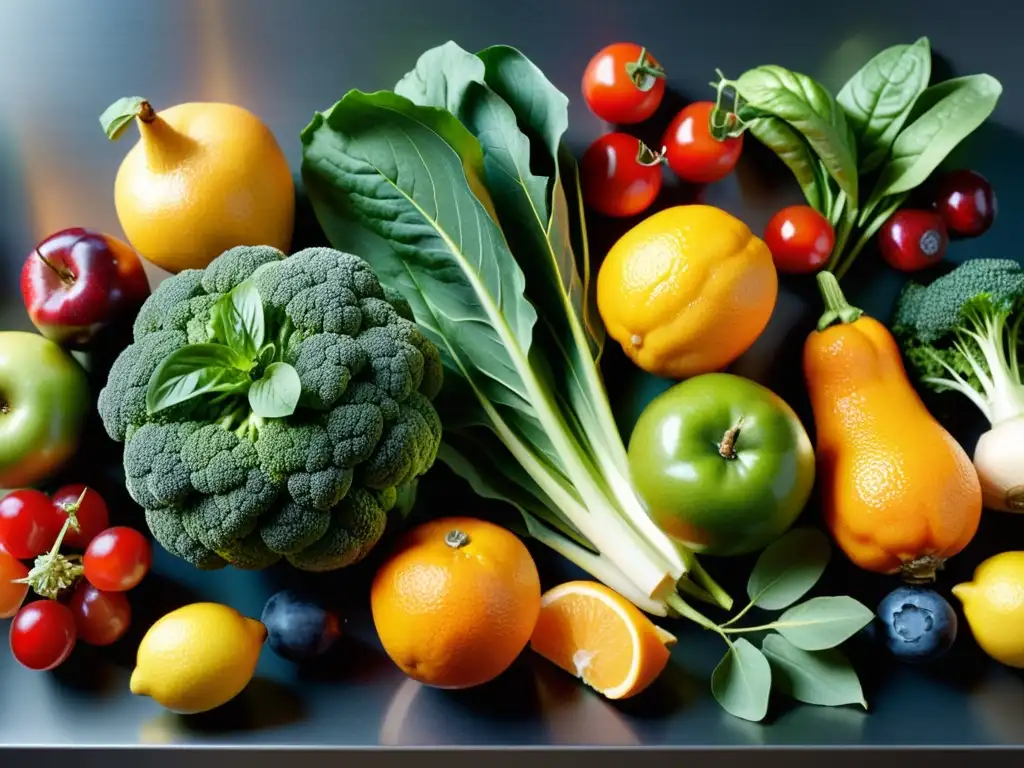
<point x="356" y="525"/>
<point x="167" y="528"/>
<point x="302" y="454"/>
<point x="155" y="475"/>
<point x="355" y="426"/>
<point x="318" y="289"/>
<point x="249" y="553"/>
<point x="236" y="265"/>
<point x="326" y="363"/>
<point x="399" y="302"/>
<point x="165" y="301"/>
<point x="292" y="527"/>
<point x="408" y="446"/>
<point x="122" y="402"/>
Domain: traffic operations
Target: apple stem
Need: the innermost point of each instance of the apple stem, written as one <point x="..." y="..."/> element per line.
<point x="65" y="274"/>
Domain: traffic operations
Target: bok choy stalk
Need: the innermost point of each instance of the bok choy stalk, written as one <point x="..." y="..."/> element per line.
<point x="458" y="190"/>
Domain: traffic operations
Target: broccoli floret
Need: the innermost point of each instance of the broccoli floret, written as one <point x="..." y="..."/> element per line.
<point x="962" y="333"/>
<point x="155" y="474"/>
<point x="167" y="528"/>
<point x="293" y="527"/>
<point x="222" y="485"/>
<point x="356" y="525"/>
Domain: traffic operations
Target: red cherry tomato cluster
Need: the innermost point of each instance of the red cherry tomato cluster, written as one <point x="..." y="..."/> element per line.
<point x="82" y="595"/>
<point x="619" y="175"/>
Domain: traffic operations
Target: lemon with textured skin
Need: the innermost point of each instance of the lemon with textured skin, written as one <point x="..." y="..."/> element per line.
<point x="197" y="657"/>
<point x="993" y="604"/>
<point x="202" y="178"/>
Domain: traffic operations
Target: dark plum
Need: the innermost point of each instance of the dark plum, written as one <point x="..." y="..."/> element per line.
<point x="299" y="626"/>
<point x="966" y="202"/>
<point x="917" y="624"/>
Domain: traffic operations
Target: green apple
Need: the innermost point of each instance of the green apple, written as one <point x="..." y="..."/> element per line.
<point x="44" y="402"/>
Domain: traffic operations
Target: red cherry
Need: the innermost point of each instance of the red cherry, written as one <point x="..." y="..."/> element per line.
<point x="966" y="202"/>
<point x="912" y="240"/>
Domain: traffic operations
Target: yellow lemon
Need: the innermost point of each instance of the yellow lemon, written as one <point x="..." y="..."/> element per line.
<point x="994" y="607"/>
<point x="687" y="290"/>
<point x="203" y="177"/>
<point x="197" y="657"/>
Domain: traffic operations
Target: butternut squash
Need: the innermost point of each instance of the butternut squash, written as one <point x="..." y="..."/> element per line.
<point x="899" y="495"/>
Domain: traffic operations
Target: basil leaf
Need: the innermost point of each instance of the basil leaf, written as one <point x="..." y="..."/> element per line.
<point x="194" y="370"/>
<point x="825" y="677"/>
<point x="787" y="568"/>
<point x="796" y="153"/>
<point x="237" y="320"/>
<point x="808" y="108"/>
<point x="742" y="681"/>
<point x="879" y="98"/>
<point x="276" y="394"/>
<point x="944" y="115"/>
<point x="823" y="622"/>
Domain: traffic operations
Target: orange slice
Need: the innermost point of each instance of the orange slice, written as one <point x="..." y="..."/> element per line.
<point x="595" y="634"/>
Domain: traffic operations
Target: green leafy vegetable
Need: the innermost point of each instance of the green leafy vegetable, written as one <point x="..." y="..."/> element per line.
<point x="796" y="153"/>
<point x="823" y="622"/>
<point x="275" y="394"/>
<point x="196" y="370"/>
<point x="237" y="320"/>
<point x="879" y="97"/>
<point x="787" y="569"/>
<point x="822" y="677"/>
<point x="742" y="681"/>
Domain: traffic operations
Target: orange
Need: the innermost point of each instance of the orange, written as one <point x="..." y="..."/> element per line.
<point x="203" y="178"/>
<point x="455" y="604"/>
<point x="687" y="290"/>
<point x="597" y="635"/>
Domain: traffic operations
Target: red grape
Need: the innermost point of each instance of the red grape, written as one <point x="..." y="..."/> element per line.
<point x="29" y="524"/>
<point x="102" y="618"/>
<point x="91" y="514"/>
<point x="117" y="559"/>
<point x="43" y="635"/>
<point x="11" y="595"/>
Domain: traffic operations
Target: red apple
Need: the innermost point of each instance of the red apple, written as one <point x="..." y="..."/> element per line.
<point x="78" y="281"/>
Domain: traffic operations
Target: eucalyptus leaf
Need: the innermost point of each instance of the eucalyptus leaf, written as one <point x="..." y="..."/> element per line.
<point x="879" y="98"/>
<point x="276" y="394"/>
<point x="943" y="116"/>
<point x="823" y="622"/>
<point x="742" y="681"/>
<point x="808" y="108"/>
<point x="824" y="677"/>
<point x="237" y="320"/>
<point x="788" y="568"/>
<point x="796" y="153"/>
<point x="194" y="370"/>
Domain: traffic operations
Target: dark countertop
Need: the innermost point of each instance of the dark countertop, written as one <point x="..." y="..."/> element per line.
<point x="62" y="62"/>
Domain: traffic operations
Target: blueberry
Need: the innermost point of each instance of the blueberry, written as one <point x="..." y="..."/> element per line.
<point x="918" y="625"/>
<point x="299" y="627"/>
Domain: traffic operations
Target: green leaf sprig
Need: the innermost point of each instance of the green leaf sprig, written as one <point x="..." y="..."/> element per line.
<point x="799" y="654"/>
<point x="234" y="360"/>
<point x="887" y="131"/>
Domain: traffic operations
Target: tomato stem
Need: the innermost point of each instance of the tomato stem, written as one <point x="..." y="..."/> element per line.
<point x="837" y="308"/>
<point x="646" y="157"/>
<point x="52" y="572"/>
<point x="72" y="509"/>
<point x="643" y="73"/>
<point x="733" y="125"/>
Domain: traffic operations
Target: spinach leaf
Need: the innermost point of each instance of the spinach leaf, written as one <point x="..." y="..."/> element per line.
<point x="944" y="115"/>
<point x="796" y="153"/>
<point x="275" y="394"/>
<point x="878" y="98"/>
<point x="237" y="320"/>
<point x="194" y="370"/>
<point x="808" y="107"/>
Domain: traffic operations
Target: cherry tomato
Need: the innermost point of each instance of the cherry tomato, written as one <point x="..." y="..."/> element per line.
<point x="692" y="152"/>
<point x="11" y="595"/>
<point x="92" y="514"/>
<point x="623" y="84"/>
<point x="800" y="239"/>
<point x="43" y="635"/>
<point x="966" y="202"/>
<point x="913" y="239"/>
<point x="101" y="617"/>
<point x="117" y="559"/>
<point x="29" y="525"/>
<point x="619" y="175"/>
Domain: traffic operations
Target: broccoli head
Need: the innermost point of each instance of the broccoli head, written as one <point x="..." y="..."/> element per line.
<point x="223" y="485"/>
<point x="962" y="333"/>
